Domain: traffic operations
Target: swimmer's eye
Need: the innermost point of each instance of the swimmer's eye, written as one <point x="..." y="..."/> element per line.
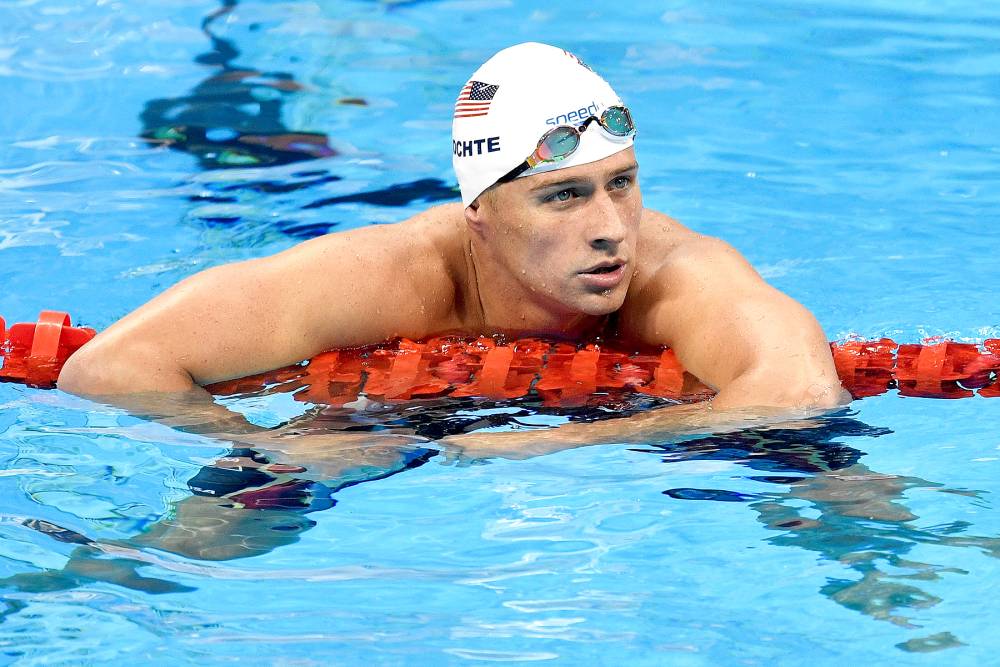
<point x="621" y="182"/>
<point x="563" y="195"/>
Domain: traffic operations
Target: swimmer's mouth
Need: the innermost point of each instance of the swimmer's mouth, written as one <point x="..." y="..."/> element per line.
<point x="605" y="276"/>
<point x="604" y="267"/>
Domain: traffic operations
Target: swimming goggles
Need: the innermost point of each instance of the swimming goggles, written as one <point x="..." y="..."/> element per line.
<point x="560" y="142"/>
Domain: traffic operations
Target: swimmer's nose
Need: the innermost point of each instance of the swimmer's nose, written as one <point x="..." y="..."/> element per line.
<point x="607" y="228"/>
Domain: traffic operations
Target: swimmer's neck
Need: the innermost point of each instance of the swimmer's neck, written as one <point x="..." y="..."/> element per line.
<point x="509" y="308"/>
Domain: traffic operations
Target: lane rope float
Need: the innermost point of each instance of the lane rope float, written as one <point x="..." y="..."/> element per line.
<point x="559" y="373"/>
<point x="33" y="353"/>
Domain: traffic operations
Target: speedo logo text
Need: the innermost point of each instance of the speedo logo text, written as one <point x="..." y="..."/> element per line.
<point x="574" y="116"/>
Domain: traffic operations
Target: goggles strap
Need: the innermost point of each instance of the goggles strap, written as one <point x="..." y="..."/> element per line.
<point x="535" y="159"/>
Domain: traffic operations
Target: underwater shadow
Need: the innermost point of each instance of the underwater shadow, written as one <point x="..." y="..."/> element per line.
<point x="837" y="507"/>
<point x="243" y="505"/>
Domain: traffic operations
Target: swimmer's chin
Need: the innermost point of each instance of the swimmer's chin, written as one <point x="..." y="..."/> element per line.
<point x="601" y="303"/>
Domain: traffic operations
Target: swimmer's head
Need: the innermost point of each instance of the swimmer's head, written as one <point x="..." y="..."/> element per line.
<point x="514" y="99"/>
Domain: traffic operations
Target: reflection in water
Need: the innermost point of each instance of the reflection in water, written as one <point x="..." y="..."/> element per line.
<point x="244" y="505"/>
<point x="862" y="520"/>
<point x="233" y="119"/>
<point x="250" y="502"/>
<point x="436" y="418"/>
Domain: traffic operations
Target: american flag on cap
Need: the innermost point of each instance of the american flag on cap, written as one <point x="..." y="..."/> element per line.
<point x="474" y="100"/>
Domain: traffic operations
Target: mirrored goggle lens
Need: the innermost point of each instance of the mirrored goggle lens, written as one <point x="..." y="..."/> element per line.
<point x="558" y="143"/>
<point x="617" y="121"/>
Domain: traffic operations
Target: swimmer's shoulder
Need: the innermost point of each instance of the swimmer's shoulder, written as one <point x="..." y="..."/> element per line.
<point x="675" y="264"/>
<point x="663" y="239"/>
<point x="420" y="258"/>
<point x="436" y="240"/>
<point x="439" y="233"/>
<point x="431" y="240"/>
<point x="436" y="249"/>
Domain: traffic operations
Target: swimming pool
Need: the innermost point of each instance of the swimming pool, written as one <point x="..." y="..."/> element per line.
<point x="848" y="149"/>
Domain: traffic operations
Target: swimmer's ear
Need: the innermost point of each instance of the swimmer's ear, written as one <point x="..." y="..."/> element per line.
<point x="474" y="216"/>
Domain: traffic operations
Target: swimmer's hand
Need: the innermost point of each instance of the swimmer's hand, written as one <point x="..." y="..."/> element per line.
<point x="327" y="455"/>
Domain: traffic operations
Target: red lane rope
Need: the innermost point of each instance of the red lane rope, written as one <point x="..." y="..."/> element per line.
<point x="560" y="373"/>
<point x="567" y="375"/>
<point x="34" y="353"/>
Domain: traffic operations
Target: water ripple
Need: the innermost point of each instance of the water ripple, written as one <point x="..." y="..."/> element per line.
<point x="60" y="172"/>
<point x="501" y="656"/>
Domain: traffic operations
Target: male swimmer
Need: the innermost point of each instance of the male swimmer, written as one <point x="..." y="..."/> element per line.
<point x="551" y="238"/>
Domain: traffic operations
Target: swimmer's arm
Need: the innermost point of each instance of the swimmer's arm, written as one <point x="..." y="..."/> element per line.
<point x="240" y="319"/>
<point x="661" y="424"/>
<point x="153" y="361"/>
<point x="755" y="346"/>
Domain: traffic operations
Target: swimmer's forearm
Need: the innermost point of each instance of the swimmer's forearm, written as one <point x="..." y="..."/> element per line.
<point x="148" y="386"/>
<point x="655" y="425"/>
<point x="191" y="411"/>
<point x="636" y="429"/>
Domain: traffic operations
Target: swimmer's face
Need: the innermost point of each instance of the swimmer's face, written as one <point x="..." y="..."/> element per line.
<point x="569" y="236"/>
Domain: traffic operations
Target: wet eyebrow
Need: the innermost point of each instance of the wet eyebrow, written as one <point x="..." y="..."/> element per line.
<point x="632" y="167"/>
<point x="561" y="185"/>
<point x="577" y="182"/>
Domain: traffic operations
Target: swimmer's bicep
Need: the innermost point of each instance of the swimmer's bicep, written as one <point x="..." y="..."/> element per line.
<point x="225" y="322"/>
<point x="277" y="311"/>
<point x="248" y="317"/>
<point x="193" y="332"/>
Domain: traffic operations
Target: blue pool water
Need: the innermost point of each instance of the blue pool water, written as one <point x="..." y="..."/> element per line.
<point x="848" y="149"/>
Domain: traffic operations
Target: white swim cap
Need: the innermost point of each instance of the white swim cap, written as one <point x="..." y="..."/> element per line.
<point x="512" y="100"/>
